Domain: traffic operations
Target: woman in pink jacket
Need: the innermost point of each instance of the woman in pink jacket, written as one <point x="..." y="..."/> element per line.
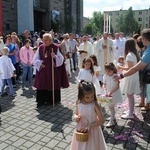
<point x="26" y="57"/>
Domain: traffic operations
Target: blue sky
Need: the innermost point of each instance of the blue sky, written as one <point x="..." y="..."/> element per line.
<point x="107" y="5"/>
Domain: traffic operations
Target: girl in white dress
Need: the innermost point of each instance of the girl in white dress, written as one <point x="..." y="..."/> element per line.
<point x="130" y="85"/>
<point x="120" y="63"/>
<point x="67" y="65"/>
<point x="87" y="107"/>
<point x="87" y="74"/>
<point x="112" y="89"/>
<point x="96" y="67"/>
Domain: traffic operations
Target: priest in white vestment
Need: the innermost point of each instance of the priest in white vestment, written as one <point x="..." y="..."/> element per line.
<point x="104" y="52"/>
<point x="85" y="50"/>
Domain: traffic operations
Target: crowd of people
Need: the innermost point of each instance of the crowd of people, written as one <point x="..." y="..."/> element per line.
<point x="106" y="65"/>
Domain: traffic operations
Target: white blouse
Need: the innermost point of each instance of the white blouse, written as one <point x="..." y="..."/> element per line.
<point x="6" y="66"/>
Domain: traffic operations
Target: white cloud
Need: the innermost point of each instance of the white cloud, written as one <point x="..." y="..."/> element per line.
<point x="103" y="5"/>
<point x="89" y="11"/>
<point x="91" y="1"/>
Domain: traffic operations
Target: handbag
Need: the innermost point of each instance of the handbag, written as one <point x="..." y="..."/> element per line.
<point x="146" y="75"/>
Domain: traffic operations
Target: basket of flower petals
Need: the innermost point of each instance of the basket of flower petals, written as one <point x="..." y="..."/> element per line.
<point x="104" y="98"/>
<point x="82" y="134"/>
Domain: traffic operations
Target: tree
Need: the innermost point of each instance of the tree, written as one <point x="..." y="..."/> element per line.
<point x="90" y="29"/>
<point x="98" y="20"/>
<point x="127" y="22"/>
<point x="95" y="25"/>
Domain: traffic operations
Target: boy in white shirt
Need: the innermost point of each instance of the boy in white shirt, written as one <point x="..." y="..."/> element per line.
<point x="7" y="69"/>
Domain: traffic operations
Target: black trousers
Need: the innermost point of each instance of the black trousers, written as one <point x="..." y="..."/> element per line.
<point x="45" y="96"/>
<point x="18" y="72"/>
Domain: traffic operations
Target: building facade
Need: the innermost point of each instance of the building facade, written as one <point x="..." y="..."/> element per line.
<point x="141" y="16"/>
<point x="8" y="16"/>
<point x="35" y="15"/>
<point x="85" y="21"/>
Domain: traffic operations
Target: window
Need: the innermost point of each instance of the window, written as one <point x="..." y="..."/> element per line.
<point x="110" y="14"/>
<point x="117" y="13"/>
<point x="146" y="18"/>
<point x="139" y="19"/>
<point x="146" y="25"/>
<point x="140" y="12"/>
<point x="7" y="26"/>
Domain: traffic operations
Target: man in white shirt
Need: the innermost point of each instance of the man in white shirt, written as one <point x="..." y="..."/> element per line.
<point x="122" y="38"/>
<point x="118" y="47"/>
<point x="86" y="49"/>
<point x="73" y="44"/>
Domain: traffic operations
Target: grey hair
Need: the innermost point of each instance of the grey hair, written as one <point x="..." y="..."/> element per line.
<point x="47" y="35"/>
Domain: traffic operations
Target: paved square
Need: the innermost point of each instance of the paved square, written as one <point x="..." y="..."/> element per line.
<point x="23" y="127"/>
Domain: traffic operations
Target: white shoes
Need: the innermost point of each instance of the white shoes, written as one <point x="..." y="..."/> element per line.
<point x="127" y="116"/>
<point x="110" y="124"/>
<point x="127" y="111"/>
<point x="108" y="119"/>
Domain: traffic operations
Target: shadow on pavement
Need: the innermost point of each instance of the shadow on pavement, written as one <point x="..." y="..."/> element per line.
<point x="7" y="103"/>
<point x="57" y="116"/>
<point x="28" y="93"/>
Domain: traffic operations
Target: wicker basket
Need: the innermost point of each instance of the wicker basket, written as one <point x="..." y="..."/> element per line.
<point x="82" y="137"/>
<point x="103" y="98"/>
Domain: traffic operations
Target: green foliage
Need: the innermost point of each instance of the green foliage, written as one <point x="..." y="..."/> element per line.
<point x="87" y="29"/>
<point x="127" y="23"/>
<point x="95" y="25"/>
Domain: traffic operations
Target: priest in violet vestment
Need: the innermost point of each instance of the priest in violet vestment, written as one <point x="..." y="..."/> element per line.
<point x="42" y="61"/>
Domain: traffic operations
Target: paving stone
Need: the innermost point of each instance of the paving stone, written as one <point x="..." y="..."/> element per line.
<point x="10" y="148"/>
<point x="45" y="139"/>
<point x="5" y="137"/>
<point x="38" y="129"/>
<point x="62" y="145"/>
<point x="14" y="138"/>
<point x="52" y="143"/>
<point x="45" y="148"/>
<point x="17" y="130"/>
<point x="22" y="148"/>
<point x="3" y="146"/>
<point x="19" y="142"/>
<point x="131" y="145"/>
<point x="36" y="138"/>
<point x="22" y="133"/>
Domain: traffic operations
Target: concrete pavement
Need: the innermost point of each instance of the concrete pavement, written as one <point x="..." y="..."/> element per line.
<point x="23" y="127"/>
